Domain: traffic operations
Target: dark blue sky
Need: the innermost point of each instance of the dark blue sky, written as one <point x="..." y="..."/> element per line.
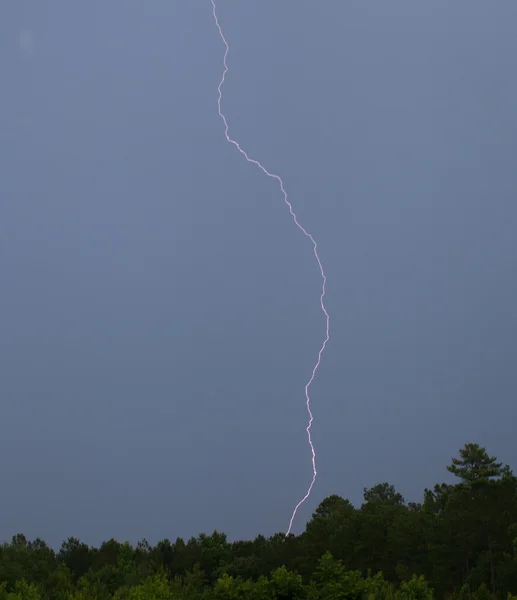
<point x="159" y="310"/>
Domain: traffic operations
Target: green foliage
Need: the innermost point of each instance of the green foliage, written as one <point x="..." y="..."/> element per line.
<point x="474" y="465"/>
<point x="459" y="544"/>
<point x="383" y="492"/>
<point x="230" y="588"/>
<point x="333" y="581"/>
<point x="286" y="584"/>
<point x="414" y="589"/>
<point x="377" y="588"/>
<point x="153" y="588"/>
<point x="87" y="589"/>
<point x="483" y="593"/>
<point x="22" y="591"/>
<point x="227" y="588"/>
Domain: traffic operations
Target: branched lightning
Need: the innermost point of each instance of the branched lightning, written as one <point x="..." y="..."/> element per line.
<point x="315" y="248"/>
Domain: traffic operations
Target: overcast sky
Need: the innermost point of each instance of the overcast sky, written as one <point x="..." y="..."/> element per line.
<point x="159" y="310"/>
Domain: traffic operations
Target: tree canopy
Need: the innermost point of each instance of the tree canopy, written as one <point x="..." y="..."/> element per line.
<point x="460" y="543"/>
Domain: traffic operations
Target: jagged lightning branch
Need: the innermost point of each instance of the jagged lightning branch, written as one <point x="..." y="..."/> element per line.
<point x="315" y="245"/>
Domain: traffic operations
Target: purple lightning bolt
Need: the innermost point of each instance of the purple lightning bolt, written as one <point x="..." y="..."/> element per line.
<point x="315" y="245"/>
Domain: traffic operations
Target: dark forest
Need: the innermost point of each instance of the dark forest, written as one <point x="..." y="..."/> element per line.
<point x="459" y="543"/>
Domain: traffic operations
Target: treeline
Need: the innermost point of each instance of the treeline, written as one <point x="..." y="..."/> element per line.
<point x="460" y="543"/>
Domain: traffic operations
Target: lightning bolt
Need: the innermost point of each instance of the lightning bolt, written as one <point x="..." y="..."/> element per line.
<point x="315" y="248"/>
